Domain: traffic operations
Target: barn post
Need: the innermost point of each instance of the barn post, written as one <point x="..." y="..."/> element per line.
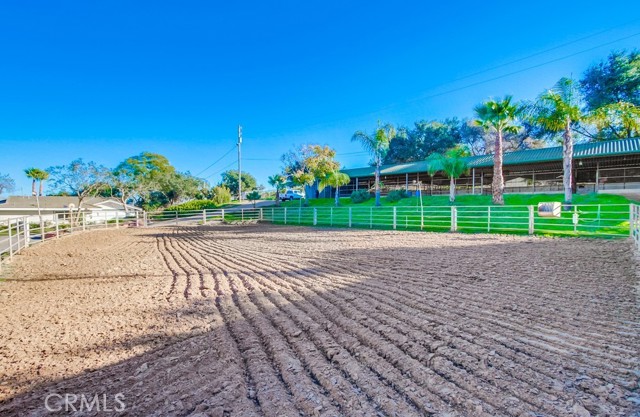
<point x="356" y="183"/>
<point x="473" y="181"/>
<point x="406" y="182"/>
<point x="531" y="220"/>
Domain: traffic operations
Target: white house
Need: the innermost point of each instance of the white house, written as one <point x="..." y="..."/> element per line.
<point x="95" y="208"/>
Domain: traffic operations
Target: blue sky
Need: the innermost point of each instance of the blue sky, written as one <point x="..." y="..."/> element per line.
<point x="106" y="80"/>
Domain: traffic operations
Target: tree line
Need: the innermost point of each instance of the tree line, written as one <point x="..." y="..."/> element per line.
<point x="603" y="105"/>
<point x="146" y="180"/>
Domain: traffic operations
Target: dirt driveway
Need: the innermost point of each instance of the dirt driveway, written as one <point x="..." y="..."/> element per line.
<point x="280" y="321"/>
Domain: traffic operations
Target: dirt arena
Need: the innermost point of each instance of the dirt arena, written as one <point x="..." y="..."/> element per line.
<point x="277" y="321"/>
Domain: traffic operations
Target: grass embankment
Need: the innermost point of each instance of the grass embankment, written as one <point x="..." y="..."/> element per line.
<point x="599" y="215"/>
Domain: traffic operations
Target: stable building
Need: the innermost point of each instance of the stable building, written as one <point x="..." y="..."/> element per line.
<point x="612" y="167"/>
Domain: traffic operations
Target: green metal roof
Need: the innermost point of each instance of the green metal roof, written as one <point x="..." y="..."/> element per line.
<point x="532" y="156"/>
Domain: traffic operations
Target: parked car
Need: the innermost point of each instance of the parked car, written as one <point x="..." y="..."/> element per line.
<point x="291" y="195"/>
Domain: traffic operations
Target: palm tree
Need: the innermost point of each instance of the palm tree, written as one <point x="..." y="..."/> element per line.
<point x="499" y="117"/>
<point x="336" y="180"/>
<point x="432" y="168"/>
<point x="377" y="145"/>
<point x="277" y="181"/>
<point x="453" y="164"/>
<point x="557" y="110"/>
<point x="37" y="175"/>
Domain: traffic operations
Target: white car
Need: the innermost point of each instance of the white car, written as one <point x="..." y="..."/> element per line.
<point x="291" y="195"/>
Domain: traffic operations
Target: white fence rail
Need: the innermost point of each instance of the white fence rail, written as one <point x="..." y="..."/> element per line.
<point x="19" y="233"/>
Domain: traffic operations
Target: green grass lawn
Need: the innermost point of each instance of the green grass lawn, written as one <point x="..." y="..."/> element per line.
<point x="599" y="215"/>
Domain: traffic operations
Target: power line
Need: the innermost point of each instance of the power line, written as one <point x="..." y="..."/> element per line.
<point x="218" y="160"/>
<point x="541" y="52"/>
<point x="221" y="169"/>
<point x="525" y="69"/>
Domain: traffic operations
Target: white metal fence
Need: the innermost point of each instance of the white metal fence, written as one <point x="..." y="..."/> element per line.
<point x="19" y="233"/>
<point x="598" y="220"/>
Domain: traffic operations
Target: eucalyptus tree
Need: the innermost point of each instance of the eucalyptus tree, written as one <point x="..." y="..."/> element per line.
<point x="558" y="111"/>
<point x="377" y="145"/>
<point x="498" y="117"/>
<point x="7" y="184"/>
<point x="336" y="180"/>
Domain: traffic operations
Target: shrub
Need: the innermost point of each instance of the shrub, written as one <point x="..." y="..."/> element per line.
<point x="193" y="205"/>
<point x="396" y="195"/>
<point x="360" y="196"/>
<point x="221" y="195"/>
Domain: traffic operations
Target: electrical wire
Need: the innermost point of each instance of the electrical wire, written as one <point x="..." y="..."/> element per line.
<point x="217" y="160"/>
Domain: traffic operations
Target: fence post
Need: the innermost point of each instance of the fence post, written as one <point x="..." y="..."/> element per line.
<point x="145" y="219"/>
<point x="204" y="216"/>
<point x="261" y="214"/>
<point x="84" y="221"/>
<point x="299" y="215"/>
<point x="285" y="215"/>
<point x="222" y="214"/>
<point x="315" y="216"/>
<point x="576" y="219"/>
<point x="57" y="227"/>
<point x="10" y="240"/>
<point x="531" y="220"/>
<point x="273" y="218"/>
<point x="421" y="218"/>
<point x="350" y="216"/>
<point x="176" y="217"/>
<point x="331" y="216"/>
<point x="394" y="217"/>
<point x="27" y="233"/>
<point x="488" y="219"/>
<point x="454" y="219"/>
<point x="632" y="219"/>
<point x="370" y="217"/>
<point x="117" y="223"/>
<point x="106" y="220"/>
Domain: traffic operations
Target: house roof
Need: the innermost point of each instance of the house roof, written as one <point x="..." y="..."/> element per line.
<point x="59" y="203"/>
<point x="532" y="156"/>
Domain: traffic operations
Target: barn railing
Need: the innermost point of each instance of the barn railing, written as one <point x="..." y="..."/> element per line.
<point x="18" y="233"/>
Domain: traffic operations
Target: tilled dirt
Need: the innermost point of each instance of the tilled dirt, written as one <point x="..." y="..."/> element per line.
<point x="276" y="321"/>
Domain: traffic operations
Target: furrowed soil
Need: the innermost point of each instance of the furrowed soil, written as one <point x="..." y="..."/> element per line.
<point x="260" y="320"/>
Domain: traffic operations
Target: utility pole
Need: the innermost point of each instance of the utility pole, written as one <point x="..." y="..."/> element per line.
<point x="239" y="163"/>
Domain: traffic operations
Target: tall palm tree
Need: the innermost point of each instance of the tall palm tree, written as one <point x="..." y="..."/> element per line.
<point x="37" y="175"/>
<point x="453" y="164"/>
<point x="278" y="182"/>
<point x="378" y="146"/>
<point x="498" y="117"/>
<point x="336" y="180"/>
<point x="558" y="110"/>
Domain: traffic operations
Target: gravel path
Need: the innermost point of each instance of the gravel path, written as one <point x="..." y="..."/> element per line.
<point x="276" y="321"/>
